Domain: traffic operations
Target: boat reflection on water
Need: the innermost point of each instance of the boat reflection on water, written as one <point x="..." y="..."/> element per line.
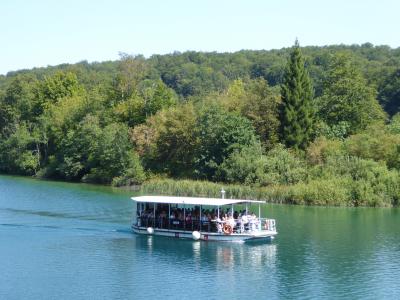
<point x="251" y="256"/>
<point x="209" y="254"/>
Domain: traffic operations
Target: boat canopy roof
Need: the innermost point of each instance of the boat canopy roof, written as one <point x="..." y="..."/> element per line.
<point x="191" y="200"/>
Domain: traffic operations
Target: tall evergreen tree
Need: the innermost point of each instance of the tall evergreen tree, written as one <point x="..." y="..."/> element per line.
<point x="297" y="109"/>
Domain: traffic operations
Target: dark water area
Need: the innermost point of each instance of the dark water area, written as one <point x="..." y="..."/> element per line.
<point x="73" y="241"/>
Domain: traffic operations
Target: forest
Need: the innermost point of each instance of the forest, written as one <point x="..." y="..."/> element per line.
<point x="300" y="125"/>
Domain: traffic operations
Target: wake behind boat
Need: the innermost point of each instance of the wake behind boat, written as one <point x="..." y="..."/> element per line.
<point x="211" y="219"/>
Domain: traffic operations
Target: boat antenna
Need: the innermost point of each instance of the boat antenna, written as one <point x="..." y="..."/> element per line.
<point x="223" y="193"/>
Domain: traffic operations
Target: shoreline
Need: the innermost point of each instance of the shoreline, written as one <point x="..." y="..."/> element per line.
<point x="196" y="188"/>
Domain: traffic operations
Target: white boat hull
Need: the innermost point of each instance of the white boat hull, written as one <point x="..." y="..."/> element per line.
<point x="210" y="236"/>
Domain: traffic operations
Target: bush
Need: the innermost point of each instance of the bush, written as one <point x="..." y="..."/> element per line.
<point x="246" y="166"/>
<point x="220" y="133"/>
<point x="134" y="175"/>
<point x="335" y="131"/>
<point x="283" y="167"/>
<point x="394" y="126"/>
<point x="377" y="144"/>
<point x="321" y="149"/>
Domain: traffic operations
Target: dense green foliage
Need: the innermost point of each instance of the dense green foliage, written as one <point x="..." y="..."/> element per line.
<point x="347" y="99"/>
<point x="312" y="125"/>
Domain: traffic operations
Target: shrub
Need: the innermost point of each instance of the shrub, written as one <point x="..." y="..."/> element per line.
<point x="377" y="144"/>
<point x="283" y="167"/>
<point x="246" y="166"/>
<point x="321" y="149"/>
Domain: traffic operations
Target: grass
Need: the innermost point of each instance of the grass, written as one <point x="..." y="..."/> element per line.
<point x="332" y="192"/>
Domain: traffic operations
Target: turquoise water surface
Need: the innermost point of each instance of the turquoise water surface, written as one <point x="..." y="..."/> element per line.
<point x="73" y="241"/>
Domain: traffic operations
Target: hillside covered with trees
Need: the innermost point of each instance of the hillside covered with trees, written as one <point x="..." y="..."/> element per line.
<point x="311" y="125"/>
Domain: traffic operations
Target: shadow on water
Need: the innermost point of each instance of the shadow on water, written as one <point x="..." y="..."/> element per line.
<point x="35" y="183"/>
<point x="59" y="215"/>
<point x="92" y="230"/>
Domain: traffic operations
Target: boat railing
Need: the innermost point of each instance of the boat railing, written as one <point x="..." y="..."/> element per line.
<point x="269" y="224"/>
<point x="240" y="225"/>
<point x="250" y="224"/>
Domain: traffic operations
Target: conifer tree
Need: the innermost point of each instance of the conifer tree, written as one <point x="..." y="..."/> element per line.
<point x="297" y="108"/>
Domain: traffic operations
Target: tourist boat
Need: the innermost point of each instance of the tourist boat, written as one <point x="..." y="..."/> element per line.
<point x="209" y="219"/>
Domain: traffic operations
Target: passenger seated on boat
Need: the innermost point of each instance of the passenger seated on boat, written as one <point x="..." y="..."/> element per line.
<point x="224" y="218"/>
<point x="188" y="218"/>
<point x="256" y="223"/>
<point x="205" y="225"/>
<point x="162" y="218"/>
<point x="219" y="223"/>
<point x="231" y="221"/>
<point x="244" y="222"/>
<point x="145" y="218"/>
<point x="204" y="218"/>
<point x="253" y="221"/>
<point x="180" y="215"/>
<point x="239" y="223"/>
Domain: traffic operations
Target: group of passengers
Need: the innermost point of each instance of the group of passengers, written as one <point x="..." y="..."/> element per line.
<point x="239" y="222"/>
<point x="192" y="219"/>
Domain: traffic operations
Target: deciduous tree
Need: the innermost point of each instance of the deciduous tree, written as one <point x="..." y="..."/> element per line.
<point x="347" y="97"/>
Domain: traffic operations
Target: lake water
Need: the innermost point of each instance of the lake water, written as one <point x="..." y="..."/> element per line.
<point x="73" y="241"/>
